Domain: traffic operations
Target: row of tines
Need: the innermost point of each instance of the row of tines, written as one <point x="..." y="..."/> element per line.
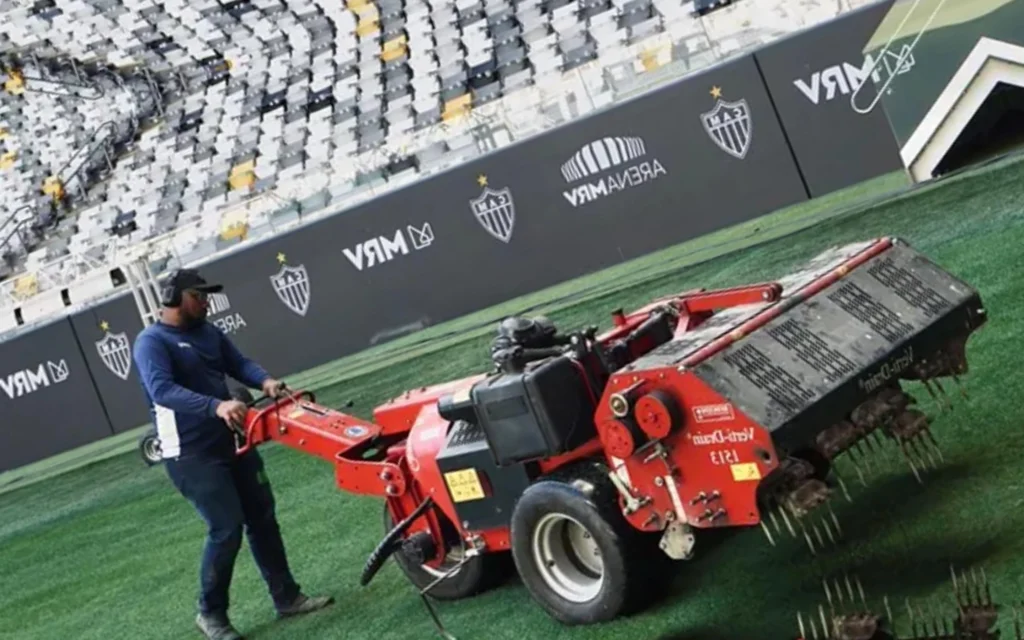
<point x="971" y="614"/>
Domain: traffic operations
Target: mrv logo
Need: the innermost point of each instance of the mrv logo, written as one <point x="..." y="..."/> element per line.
<point x="221" y="315"/>
<point x="384" y="249"/>
<point x="890" y="369"/>
<point x="846" y="78"/>
<point x="26" y="381"/>
<point x="605" y="166"/>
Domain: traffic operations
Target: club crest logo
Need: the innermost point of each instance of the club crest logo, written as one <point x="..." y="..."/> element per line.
<point x="495" y="210"/>
<point x="729" y="125"/>
<point x="115" y="351"/>
<point x="291" y="284"/>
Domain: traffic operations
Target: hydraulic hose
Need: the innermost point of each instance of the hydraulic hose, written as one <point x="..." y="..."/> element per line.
<point x="390" y="544"/>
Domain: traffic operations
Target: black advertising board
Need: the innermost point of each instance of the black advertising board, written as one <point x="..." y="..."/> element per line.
<point x="48" y="403"/>
<point x="106" y="333"/>
<point x="672" y="165"/>
<point x="811" y="77"/>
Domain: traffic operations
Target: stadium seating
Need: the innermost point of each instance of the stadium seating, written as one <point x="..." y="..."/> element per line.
<point x="124" y="120"/>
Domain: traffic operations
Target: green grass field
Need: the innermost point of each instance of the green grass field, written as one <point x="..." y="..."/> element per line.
<point x="110" y="551"/>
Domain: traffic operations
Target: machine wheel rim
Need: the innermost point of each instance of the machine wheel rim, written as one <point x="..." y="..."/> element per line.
<point x="451" y="560"/>
<point x="151" y="447"/>
<point x="456" y="553"/>
<point x="567" y="557"/>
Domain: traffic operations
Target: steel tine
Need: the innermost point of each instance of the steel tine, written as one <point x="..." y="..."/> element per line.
<point x="960" y="386"/>
<point x="870" y="446"/>
<point x="775" y="521"/>
<point x="800" y="623"/>
<point x="839" y="596"/>
<point x="842" y="485"/>
<point x="978" y="599"/>
<point x="938" y="402"/>
<point x="785" y="518"/>
<point x="828" y="531"/>
<point x="835" y="521"/>
<point x="921" y="452"/>
<point x="817" y="534"/>
<point x="934" y="443"/>
<point x="824" y="622"/>
<point x="906" y="456"/>
<point x="807" y="537"/>
<point x="828" y="596"/>
<point x="860" y="472"/>
<point x="860" y="591"/>
<point x="767" y="533"/>
<point x="956" y="587"/>
<point x="945" y="396"/>
<point x="985" y="585"/>
<point x="849" y="590"/>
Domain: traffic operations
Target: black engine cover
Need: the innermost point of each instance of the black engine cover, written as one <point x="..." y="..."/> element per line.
<point x="543" y="411"/>
<point x="483" y="493"/>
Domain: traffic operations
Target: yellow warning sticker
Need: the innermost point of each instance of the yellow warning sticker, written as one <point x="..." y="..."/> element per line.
<point x="745" y="471"/>
<point x="464" y="485"/>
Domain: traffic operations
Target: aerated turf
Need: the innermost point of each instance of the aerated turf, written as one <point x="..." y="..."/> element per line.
<point x="110" y="551"/>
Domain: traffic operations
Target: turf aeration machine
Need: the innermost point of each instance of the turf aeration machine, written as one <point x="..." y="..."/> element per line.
<point x="582" y="458"/>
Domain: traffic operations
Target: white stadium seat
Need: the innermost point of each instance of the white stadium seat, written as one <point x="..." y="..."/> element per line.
<point x="131" y="119"/>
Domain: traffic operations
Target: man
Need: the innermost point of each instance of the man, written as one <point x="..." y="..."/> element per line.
<point x="182" y="361"/>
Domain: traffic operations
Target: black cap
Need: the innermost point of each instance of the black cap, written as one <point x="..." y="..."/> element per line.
<point x="185" y="279"/>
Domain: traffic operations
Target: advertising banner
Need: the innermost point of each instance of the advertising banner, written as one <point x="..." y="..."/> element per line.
<point x="688" y="159"/>
<point x="107" y="333"/>
<point x="48" y="403"/>
<point x="812" y="77"/>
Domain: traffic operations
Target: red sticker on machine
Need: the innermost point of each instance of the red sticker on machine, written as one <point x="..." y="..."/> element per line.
<point x="713" y="413"/>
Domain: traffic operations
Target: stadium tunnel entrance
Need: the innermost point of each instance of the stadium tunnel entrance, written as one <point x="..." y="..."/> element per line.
<point x="997" y="128"/>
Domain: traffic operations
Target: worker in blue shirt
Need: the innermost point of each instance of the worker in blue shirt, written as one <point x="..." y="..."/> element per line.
<point x="183" y="362"/>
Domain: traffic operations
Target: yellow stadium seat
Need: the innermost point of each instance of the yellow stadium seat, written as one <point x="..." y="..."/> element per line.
<point x="26" y="286"/>
<point x="651" y="59"/>
<point x="393" y="49"/>
<point x="234" y="225"/>
<point x="8" y="159"/>
<point x="15" y="84"/>
<point x="54" y="188"/>
<point x="457" y="107"/>
<point x="243" y="176"/>
<point x="367" y="27"/>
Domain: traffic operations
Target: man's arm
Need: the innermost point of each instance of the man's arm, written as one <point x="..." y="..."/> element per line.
<point x="154" y="365"/>
<point x="240" y="367"/>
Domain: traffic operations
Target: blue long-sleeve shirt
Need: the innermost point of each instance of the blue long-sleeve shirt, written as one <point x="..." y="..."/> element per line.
<point x="183" y="374"/>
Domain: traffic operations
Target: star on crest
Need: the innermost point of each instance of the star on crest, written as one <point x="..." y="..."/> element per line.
<point x="104" y="326"/>
<point x="481" y="180"/>
<point x="716" y="92"/>
<point x="280" y="257"/>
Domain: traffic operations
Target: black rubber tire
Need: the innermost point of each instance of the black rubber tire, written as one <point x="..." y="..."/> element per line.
<point x="480" y="574"/>
<point x="626" y="553"/>
<point x="149" y="448"/>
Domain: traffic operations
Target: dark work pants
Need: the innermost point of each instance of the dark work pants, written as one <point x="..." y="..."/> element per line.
<point x="232" y="495"/>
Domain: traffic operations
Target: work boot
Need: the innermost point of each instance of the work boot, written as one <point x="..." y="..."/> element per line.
<point x="304" y="604"/>
<point x="216" y="626"/>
